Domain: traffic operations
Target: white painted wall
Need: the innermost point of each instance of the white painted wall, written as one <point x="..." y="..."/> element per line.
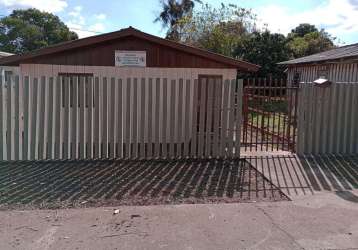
<point x="337" y="72"/>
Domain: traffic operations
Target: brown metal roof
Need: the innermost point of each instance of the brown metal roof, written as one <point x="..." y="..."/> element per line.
<point x="17" y="59"/>
<point x="347" y="51"/>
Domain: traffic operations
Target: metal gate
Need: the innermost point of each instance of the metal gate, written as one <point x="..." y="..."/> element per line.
<point x="269" y="115"/>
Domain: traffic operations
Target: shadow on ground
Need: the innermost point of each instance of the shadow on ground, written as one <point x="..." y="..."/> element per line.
<point x="52" y="184"/>
<point x="308" y="174"/>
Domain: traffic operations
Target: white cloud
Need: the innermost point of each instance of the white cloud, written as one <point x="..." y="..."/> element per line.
<point x="76" y="12"/>
<point x="338" y="17"/>
<point x="44" y="5"/>
<point x="79" y="23"/>
<point x="98" y="27"/>
<point x="100" y="16"/>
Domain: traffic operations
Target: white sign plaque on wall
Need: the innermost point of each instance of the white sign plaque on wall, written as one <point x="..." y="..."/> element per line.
<point x="130" y="58"/>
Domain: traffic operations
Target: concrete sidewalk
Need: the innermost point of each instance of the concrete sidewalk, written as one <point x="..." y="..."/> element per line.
<point x="326" y="220"/>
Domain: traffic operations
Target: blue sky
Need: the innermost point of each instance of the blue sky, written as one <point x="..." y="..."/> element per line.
<point x="90" y="17"/>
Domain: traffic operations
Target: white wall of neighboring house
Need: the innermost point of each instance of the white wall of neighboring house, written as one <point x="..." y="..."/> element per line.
<point x="335" y="72"/>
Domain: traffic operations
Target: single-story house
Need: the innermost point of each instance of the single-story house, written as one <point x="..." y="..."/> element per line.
<point x="335" y="65"/>
<point x="127" y="52"/>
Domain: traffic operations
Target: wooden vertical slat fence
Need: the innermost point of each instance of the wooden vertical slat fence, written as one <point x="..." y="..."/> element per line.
<point x="67" y="117"/>
<point x="328" y="119"/>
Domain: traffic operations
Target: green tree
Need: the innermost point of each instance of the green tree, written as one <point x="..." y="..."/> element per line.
<point x="303" y="29"/>
<point x="31" y="29"/>
<point x="265" y="49"/>
<point x="306" y="40"/>
<point x="218" y="30"/>
<point x="173" y="11"/>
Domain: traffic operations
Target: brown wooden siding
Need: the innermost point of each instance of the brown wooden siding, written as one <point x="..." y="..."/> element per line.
<point x="103" y="55"/>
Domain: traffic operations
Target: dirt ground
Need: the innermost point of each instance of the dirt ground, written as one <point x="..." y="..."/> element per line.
<point x="69" y="184"/>
<point x="323" y="221"/>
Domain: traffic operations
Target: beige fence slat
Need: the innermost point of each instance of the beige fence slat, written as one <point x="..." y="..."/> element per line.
<point x="17" y="118"/>
<point x="82" y="88"/>
<point x="50" y="118"/>
<point x="90" y="122"/>
<point x="179" y="124"/>
<point x="163" y="122"/>
<point x="141" y="118"/>
<point x="138" y="118"/>
<point x="111" y="118"/>
<point x="9" y="120"/>
<point x="46" y="115"/>
<point x="187" y="110"/>
<point x="231" y="110"/>
<point x="73" y="117"/>
<point x="157" y="124"/>
<point x="238" y="112"/>
<point x="150" y="117"/>
<point x="157" y="96"/>
<point x="96" y="119"/>
<point x="104" y="117"/>
<point x="203" y="83"/>
<point x="171" y="116"/>
<point x="119" y="119"/>
<point x="133" y="124"/>
<point x="33" y="115"/>
<point x="127" y="116"/>
<point x="66" y="118"/>
<point x="57" y="125"/>
<point x="209" y="112"/>
<point x="217" y="111"/>
<point x="194" y="127"/>
<point x="224" y="121"/>
<point x="2" y="118"/>
<point x="41" y="121"/>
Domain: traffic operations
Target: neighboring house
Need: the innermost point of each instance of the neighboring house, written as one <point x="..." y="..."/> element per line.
<point x="336" y="65"/>
<point x="128" y="53"/>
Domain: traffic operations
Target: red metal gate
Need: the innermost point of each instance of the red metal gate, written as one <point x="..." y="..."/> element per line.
<point x="269" y="115"/>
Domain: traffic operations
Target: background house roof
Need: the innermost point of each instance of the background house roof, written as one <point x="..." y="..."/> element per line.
<point x="17" y="59"/>
<point x="333" y="54"/>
